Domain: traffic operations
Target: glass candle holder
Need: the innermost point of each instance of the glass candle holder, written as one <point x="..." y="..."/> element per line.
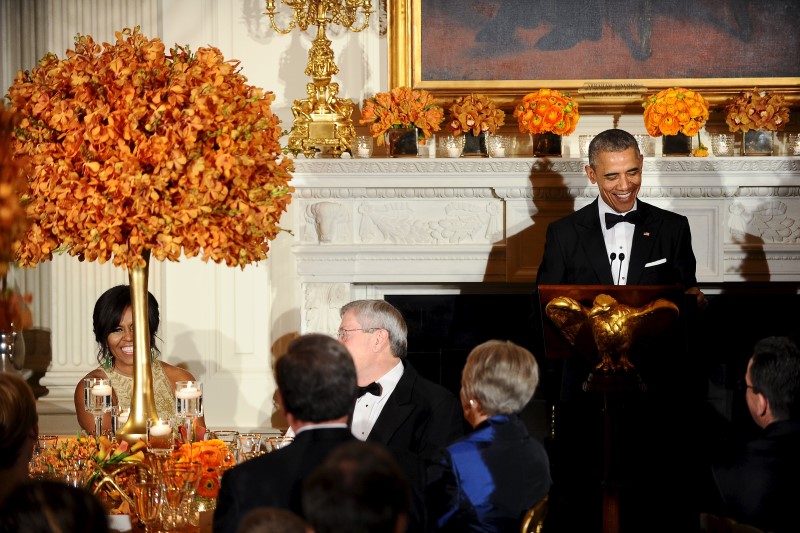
<point x="160" y="436"/>
<point x="97" y="395"/>
<point x="583" y="144"/>
<point x="722" y="144"/>
<point x="794" y="144"/>
<point x="363" y="146"/>
<point x="497" y="145"/>
<point x="451" y="145"/>
<point x="646" y="145"/>
<point x="189" y="404"/>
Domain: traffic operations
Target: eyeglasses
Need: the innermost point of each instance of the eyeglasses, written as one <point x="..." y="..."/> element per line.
<point x="344" y="334"/>
<point x="743" y="386"/>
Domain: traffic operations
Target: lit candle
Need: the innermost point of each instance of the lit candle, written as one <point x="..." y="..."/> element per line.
<point x="363" y="151"/>
<point x="122" y="417"/>
<point x="500" y="151"/>
<point x="453" y="152"/>
<point x="101" y="390"/>
<point x="160" y="430"/>
<point x="188" y="393"/>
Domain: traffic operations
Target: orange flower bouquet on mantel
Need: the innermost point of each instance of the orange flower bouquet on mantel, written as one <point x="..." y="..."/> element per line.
<point x="402" y="107"/>
<point x="476" y="114"/>
<point x="547" y="111"/>
<point x="675" y="110"/>
<point x="135" y="150"/>
<point x="757" y="110"/>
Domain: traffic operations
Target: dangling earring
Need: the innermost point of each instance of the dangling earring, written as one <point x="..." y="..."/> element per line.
<point x="107" y="361"/>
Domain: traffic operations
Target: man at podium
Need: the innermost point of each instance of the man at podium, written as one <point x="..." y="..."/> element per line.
<point x="620" y="240"/>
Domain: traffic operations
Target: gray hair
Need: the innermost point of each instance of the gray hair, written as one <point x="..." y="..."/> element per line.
<point x="381" y="314"/>
<point x="613" y="140"/>
<point x="501" y="375"/>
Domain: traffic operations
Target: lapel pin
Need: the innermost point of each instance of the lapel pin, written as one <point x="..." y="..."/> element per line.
<point x="646" y="233"/>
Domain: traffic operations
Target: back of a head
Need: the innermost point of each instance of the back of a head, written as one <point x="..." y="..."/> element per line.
<point x="775" y="372"/>
<point x="316" y="379"/>
<point x="381" y="314"/>
<point x="359" y="489"/>
<point x="53" y="507"/>
<point x="501" y="375"/>
<point x="272" y="520"/>
<point x="612" y="140"/>
<point x="18" y="418"/>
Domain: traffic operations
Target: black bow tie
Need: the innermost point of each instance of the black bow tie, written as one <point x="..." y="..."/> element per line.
<point x="633" y="217"/>
<point x="372" y="388"/>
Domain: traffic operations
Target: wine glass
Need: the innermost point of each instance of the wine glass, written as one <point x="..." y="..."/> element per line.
<point x="230" y="438"/>
<point x="249" y="446"/>
<point x="97" y="400"/>
<point x="148" y="503"/>
<point x="189" y="404"/>
<point x="159" y="436"/>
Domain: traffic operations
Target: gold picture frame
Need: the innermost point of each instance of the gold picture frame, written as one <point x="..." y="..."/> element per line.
<point x="611" y="95"/>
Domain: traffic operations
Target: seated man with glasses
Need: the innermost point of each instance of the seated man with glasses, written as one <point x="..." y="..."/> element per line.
<point x="397" y="407"/>
<point x="757" y="482"/>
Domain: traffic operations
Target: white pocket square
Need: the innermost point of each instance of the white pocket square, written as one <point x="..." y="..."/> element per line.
<point x="654" y="263"/>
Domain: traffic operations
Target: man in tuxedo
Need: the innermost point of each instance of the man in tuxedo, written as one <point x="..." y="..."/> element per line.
<point x="396" y="407"/>
<point x="316" y="390"/>
<point x="757" y="482"/>
<point x="619" y="240"/>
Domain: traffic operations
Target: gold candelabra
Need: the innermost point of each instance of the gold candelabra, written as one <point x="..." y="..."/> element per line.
<point x="322" y="119"/>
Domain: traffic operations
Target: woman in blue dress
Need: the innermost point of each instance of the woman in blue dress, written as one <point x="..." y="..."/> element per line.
<point x="487" y="480"/>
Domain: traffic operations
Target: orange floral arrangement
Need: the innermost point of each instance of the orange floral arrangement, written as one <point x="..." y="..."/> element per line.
<point x="13" y="219"/>
<point x="475" y="113"/>
<point x="213" y="456"/>
<point x="675" y="110"/>
<point x="547" y="111"/>
<point x="133" y="149"/>
<point x="757" y="110"/>
<point x="402" y="107"/>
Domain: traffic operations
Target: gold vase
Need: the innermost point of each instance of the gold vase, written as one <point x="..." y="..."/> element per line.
<point x="143" y="403"/>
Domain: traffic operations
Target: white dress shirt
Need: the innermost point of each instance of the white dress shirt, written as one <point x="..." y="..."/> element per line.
<point x="369" y="406"/>
<point x="619" y="240"/>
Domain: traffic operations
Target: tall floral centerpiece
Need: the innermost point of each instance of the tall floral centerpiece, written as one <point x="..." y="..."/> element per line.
<point x="402" y="115"/>
<point x="473" y="116"/>
<point x="757" y="114"/>
<point x="138" y="151"/>
<point x="547" y="114"/>
<point x="677" y="114"/>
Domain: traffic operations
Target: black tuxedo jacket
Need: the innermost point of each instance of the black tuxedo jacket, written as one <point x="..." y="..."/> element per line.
<point x="419" y="419"/>
<point x="274" y="479"/>
<point x="661" y="254"/>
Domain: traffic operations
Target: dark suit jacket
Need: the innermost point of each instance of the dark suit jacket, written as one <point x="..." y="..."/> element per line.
<point x="575" y="252"/>
<point x="758" y="483"/>
<point x="274" y="479"/>
<point x="419" y="419"/>
<point x="487" y="480"/>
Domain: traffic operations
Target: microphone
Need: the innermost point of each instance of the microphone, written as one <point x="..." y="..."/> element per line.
<point x="619" y="272"/>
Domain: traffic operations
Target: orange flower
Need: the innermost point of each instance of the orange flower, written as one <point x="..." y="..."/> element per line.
<point x="208" y="486"/>
<point x="211" y="454"/>
<point x="133" y="148"/>
<point x="401" y="107"/>
<point x="13" y="219"/>
<point x="475" y="113"/>
<point x="547" y="111"/>
<point x="675" y="110"/>
<point x="757" y="110"/>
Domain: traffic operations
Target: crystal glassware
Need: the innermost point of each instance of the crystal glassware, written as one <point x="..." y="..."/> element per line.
<point x="189" y="404"/>
<point x="230" y="438"/>
<point x="160" y="436"/>
<point x="249" y="446"/>
<point x="722" y="144"/>
<point x="363" y="146"/>
<point x="97" y="396"/>
<point x="451" y="145"/>
<point x="149" y="498"/>
<point x="497" y="145"/>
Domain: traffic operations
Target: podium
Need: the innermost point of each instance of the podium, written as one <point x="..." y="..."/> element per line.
<point x="615" y="386"/>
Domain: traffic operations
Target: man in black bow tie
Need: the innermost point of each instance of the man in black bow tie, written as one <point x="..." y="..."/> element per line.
<point x="616" y="240"/>
<point x="397" y="407"/>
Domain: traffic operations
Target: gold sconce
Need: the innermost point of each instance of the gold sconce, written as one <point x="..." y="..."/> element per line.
<point x="322" y="119"/>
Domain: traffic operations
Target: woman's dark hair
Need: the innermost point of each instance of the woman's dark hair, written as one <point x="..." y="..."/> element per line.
<point x="52" y="506"/>
<point x="107" y="314"/>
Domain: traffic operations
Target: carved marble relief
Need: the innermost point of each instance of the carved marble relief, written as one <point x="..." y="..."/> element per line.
<point x="458" y="222"/>
<point x="770" y="221"/>
<point x="322" y="304"/>
<point x="327" y="222"/>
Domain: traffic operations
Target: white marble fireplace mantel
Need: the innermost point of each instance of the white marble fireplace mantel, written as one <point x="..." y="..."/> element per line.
<point x="365" y="227"/>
